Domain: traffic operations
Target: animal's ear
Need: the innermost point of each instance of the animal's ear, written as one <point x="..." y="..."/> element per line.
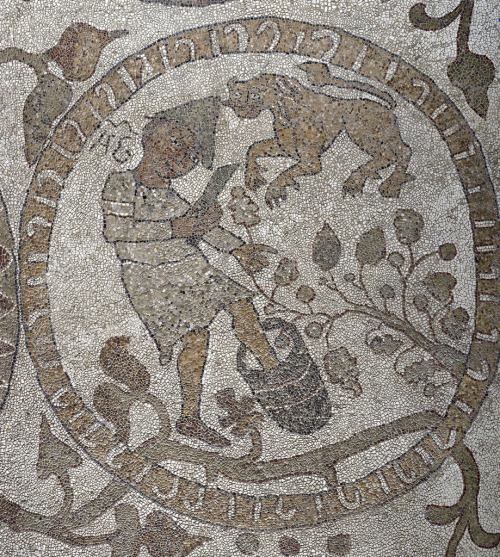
<point x="289" y="87"/>
<point x="282" y="116"/>
<point x="317" y="72"/>
<point x="231" y="83"/>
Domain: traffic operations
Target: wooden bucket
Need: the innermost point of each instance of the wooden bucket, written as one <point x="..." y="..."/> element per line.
<point x="293" y="394"/>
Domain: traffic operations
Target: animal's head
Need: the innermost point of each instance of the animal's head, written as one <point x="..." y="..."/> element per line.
<point x="249" y="98"/>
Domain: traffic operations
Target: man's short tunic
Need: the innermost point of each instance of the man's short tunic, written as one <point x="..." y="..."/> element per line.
<point x="171" y="284"/>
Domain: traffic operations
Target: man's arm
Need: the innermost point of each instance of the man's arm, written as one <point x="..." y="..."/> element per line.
<point x="125" y="212"/>
<point x="127" y="229"/>
<point x="222" y="239"/>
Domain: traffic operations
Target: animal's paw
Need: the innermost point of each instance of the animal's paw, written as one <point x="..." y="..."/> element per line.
<point x="276" y="192"/>
<point x="392" y="186"/>
<point x="254" y="178"/>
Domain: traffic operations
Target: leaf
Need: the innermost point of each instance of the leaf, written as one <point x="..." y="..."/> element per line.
<point x="114" y="405"/>
<point x="440" y="285"/>
<point x="447" y="252"/>
<point x="385" y="344"/>
<point x="371" y="247"/>
<point x="125" y="542"/>
<point x="396" y="259"/>
<point x="340" y="366"/>
<point x="164" y="538"/>
<point x="122" y="366"/>
<point x="289" y="546"/>
<point x="254" y="257"/>
<point x="54" y="456"/>
<point x="353" y="385"/>
<point x="473" y="74"/>
<point x="79" y="49"/>
<point x="314" y="329"/>
<point x="339" y="545"/>
<point x="420" y="371"/>
<point x="454" y="323"/>
<point x="286" y="272"/>
<point x="408" y="224"/>
<point x="453" y="360"/>
<point x="247" y="543"/>
<point x="421" y="302"/>
<point x="46" y="102"/>
<point x="326" y="248"/>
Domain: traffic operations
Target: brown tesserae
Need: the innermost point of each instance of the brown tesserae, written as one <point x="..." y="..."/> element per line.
<point x="249" y="278"/>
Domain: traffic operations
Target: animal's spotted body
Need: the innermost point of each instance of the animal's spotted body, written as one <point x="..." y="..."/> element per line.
<point x="306" y="124"/>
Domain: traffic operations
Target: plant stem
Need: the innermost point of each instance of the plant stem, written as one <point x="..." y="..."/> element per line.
<point x="363" y="287"/>
<point x="430" y="321"/>
<point x="398" y="357"/>
<point x="338" y="290"/>
<point x="312" y="463"/>
<point x="392" y="321"/>
<point x="464" y="27"/>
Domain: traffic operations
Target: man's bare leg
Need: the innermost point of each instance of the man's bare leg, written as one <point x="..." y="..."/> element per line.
<point x="190" y="365"/>
<point x="249" y="331"/>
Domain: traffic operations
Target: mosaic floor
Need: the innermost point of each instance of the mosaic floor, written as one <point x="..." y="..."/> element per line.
<point x="249" y="278"/>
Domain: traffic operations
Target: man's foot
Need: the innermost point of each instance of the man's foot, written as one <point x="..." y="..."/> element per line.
<point x="194" y="427"/>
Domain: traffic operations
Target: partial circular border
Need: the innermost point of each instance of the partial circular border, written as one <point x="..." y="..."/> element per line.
<point x="259" y="35"/>
<point x="9" y="307"/>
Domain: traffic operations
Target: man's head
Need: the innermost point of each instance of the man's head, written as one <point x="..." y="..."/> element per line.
<point x="170" y="150"/>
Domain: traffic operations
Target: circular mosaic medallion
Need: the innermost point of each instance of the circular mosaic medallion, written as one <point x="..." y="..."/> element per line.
<point x="258" y="271"/>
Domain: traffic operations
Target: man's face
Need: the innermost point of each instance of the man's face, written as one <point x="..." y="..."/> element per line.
<point x="171" y="151"/>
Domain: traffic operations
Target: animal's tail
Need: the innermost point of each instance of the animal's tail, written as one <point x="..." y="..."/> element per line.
<point x="319" y="75"/>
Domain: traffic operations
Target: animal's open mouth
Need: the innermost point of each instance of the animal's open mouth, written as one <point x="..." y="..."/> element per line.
<point x="246" y="110"/>
<point x="250" y="111"/>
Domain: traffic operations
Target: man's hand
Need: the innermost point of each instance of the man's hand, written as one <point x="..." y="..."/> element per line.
<point x="253" y="177"/>
<point x="196" y="222"/>
<point x="253" y="257"/>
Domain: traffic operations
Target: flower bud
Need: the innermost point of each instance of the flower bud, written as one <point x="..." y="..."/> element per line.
<point x="305" y="294"/>
<point x="447" y="252"/>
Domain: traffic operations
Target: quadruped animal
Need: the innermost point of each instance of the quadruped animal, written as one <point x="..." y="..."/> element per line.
<point x="307" y="122"/>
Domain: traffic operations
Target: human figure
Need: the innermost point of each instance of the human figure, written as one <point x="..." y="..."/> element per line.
<point x="171" y="284"/>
